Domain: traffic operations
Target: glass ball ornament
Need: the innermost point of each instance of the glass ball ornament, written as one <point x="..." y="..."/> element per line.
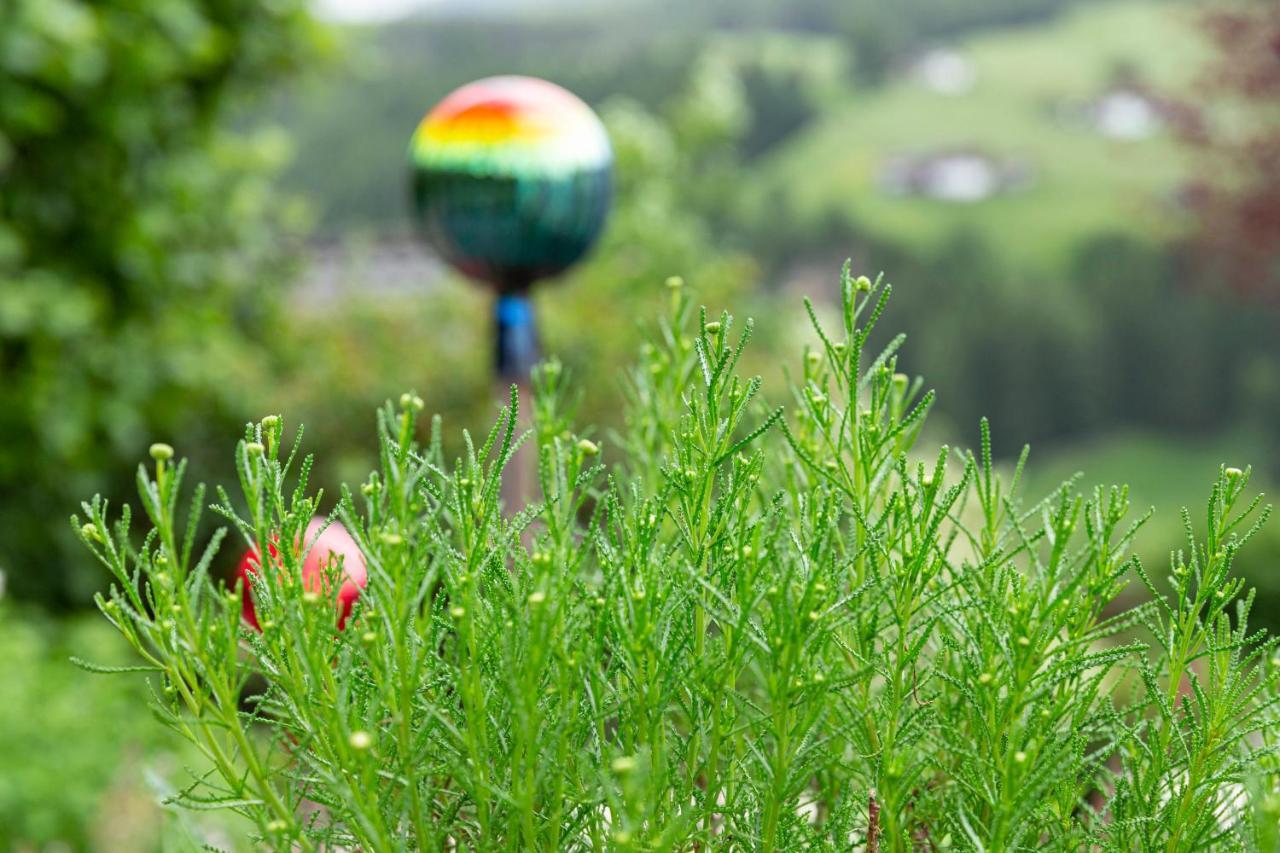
<point x="511" y="180"/>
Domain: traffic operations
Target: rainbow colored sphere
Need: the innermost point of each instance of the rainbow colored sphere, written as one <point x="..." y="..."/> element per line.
<point x="512" y="178"/>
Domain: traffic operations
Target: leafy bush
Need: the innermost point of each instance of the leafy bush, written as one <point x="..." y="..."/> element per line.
<point x="57" y="763"/>
<point x="752" y="628"/>
<point x="139" y="244"/>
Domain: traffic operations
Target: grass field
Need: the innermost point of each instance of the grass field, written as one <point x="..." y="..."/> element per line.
<point x="1083" y="182"/>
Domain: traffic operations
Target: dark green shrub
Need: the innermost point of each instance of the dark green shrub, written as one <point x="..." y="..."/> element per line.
<point x="139" y="244"/>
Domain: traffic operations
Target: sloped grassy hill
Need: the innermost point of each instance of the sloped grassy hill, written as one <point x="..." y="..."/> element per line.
<point x="1083" y="183"/>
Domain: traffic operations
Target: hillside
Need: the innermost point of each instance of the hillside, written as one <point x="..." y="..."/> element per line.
<point x="1032" y="107"/>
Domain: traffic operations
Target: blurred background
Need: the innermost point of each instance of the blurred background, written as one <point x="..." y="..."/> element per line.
<point x="204" y="219"/>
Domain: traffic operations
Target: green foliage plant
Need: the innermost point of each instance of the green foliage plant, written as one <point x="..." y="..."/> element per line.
<point x="726" y="627"/>
<point x="140" y="245"/>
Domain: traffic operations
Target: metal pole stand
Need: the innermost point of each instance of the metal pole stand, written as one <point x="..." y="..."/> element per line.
<point x="516" y="351"/>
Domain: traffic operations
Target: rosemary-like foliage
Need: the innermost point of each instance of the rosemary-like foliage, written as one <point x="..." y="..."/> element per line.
<point x="728" y="628"/>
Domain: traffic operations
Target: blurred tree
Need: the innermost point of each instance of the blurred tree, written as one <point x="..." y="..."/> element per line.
<point x="139" y="250"/>
<point x="1238" y="199"/>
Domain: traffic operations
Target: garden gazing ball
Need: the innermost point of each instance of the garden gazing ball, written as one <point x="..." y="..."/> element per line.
<point x="511" y="179"/>
<point x="334" y="543"/>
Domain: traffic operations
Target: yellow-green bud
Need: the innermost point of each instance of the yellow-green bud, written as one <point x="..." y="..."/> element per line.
<point x="536" y="598"/>
<point x="254" y="448"/>
<point x="862" y="283"/>
<point x="623" y="764"/>
<point x="588" y="447"/>
<point x="161" y="452"/>
<point x="712" y="328"/>
<point x="674" y="282"/>
<point x="457" y="612"/>
<point x="360" y="740"/>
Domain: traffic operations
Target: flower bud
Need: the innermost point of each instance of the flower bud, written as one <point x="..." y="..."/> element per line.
<point x="862" y="284"/>
<point x="536" y="598"/>
<point x="588" y="447"/>
<point x="623" y="764"/>
<point x="986" y="678"/>
<point x="712" y="328"/>
<point x="674" y="282"/>
<point x="360" y="740"/>
<point x="254" y="448"/>
<point x="161" y="452"/>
